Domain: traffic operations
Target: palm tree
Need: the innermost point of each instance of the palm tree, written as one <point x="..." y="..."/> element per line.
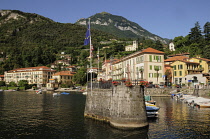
<point x="157" y="69"/>
<point x="141" y="71"/>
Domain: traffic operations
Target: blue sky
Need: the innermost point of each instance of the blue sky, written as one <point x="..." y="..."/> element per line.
<point x="165" y="18"/>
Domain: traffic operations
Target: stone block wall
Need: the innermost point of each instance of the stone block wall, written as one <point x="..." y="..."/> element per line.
<point x="123" y="107"/>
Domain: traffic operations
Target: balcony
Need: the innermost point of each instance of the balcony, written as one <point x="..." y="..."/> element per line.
<point x="195" y="69"/>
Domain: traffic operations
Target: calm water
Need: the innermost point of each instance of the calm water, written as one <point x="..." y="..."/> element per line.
<point x="31" y="115"/>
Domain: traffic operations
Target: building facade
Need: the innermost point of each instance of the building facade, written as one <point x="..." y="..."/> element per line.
<point x="147" y="64"/>
<point x="34" y="75"/>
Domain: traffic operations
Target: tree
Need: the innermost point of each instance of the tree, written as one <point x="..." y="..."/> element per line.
<point x="80" y="77"/>
<point x="158" y="45"/>
<point x="2" y="83"/>
<point x="157" y="69"/>
<point x="13" y="84"/>
<point x="195" y="34"/>
<point x="23" y="83"/>
<point x="206" y="31"/>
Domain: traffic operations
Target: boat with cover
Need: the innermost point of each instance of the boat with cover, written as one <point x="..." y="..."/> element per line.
<point x="65" y="93"/>
<point x="152" y="110"/>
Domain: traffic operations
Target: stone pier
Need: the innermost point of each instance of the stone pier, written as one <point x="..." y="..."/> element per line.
<point x="123" y="107"/>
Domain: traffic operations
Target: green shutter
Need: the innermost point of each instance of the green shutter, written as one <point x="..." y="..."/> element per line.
<point x="150" y="58"/>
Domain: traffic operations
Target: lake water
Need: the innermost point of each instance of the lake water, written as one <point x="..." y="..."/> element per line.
<point x="31" y="115"/>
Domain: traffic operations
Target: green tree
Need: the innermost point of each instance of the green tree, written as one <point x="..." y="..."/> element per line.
<point x="23" y="83"/>
<point x="195" y="35"/>
<point x="80" y="77"/>
<point x="2" y="83"/>
<point x="207" y="31"/>
<point x="13" y="84"/>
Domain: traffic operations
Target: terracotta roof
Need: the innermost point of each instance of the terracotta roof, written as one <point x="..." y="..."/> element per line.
<point x="152" y="50"/>
<point x="179" y="54"/>
<point x="68" y="73"/>
<point x="203" y="59"/>
<point x="189" y="62"/>
<point x="1" y="75"/>
<point x="40" y="68"/>
<point x="176" y="58"/>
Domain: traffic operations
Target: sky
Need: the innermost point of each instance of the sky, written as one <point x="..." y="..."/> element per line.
<point x="165" y="18"/>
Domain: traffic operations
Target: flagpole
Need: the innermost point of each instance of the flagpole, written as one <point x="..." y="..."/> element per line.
<point x="91" y="68"/>
<point x="98" y="64"/>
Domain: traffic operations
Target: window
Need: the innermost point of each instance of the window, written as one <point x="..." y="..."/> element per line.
<point x="174" y="73"/>
<point x="150" y="58"/>
<point x="180" y="73"/>
<point x="150" y="67"/>
<point x="150" y="75"/>
<point x="174" y="67"/>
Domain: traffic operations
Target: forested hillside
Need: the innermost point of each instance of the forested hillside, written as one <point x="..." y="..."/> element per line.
<point x="28" y="40"/>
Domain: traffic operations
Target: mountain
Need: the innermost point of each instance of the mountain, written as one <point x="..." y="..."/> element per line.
<point x="119" y="26"/>
<point x="28" y="39"/>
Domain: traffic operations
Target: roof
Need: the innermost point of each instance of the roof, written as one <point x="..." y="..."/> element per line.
<point x="152" y="50"/>
<point x="208" y="60"/>
<point x="66" y="73"/>
<point x="40" y="68"/>
<point x="175" y="58"/>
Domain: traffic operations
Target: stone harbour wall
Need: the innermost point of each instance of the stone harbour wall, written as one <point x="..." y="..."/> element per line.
<point x="123" y="107"/>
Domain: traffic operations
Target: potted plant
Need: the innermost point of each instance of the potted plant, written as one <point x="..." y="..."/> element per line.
<point x="128" y="83"/>
<point x="143" y="83"/>
<point x="115" y="83"/>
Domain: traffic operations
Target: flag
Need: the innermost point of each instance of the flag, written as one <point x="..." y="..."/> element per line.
<point x="87" y="37"/>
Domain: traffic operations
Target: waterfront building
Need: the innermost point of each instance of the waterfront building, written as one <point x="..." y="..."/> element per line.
<point x="63" y="77"/>
<point x="106" y="72"/>
<point x="147" y="64"/>
<point x="34" y="75"/>
<point x="187" y="70"/>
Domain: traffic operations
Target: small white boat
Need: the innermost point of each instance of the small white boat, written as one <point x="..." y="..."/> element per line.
<point x="84" y="93"/>
<point x="56" y="94"/>
<point x="39" y="91"/>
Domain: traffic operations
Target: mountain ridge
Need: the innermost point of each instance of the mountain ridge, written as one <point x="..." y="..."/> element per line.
<point x="119" y="26"/>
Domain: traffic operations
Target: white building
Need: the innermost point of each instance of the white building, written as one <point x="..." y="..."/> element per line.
<point x="171" y="46"/>
<point x="132" y="47"/>
<point x="34" y="75"/>
<point x="147" y="64"/>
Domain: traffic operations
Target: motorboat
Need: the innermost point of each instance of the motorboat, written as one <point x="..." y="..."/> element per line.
<point x="152" y="110"/>
<point x="148" y="99"/>
<point x="84" y="93"/>
<point x="39" y="91"/>
<point x="56" y="94"/>
<point x="65" y="93"/>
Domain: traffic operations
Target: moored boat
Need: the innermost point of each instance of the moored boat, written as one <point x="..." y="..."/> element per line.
<point x="65" y="93"/>
<point x="152" y="110"/>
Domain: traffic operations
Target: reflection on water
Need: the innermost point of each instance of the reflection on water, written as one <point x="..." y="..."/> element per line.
<point x="31" y="115"/>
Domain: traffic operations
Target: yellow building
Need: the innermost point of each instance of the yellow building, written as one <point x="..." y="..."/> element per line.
<point x="204" y="64"/>
<point x="63" y="77"/>
<point x="181" y="68"/>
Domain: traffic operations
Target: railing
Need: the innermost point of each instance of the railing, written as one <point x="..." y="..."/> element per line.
<point x="109" y="84"/>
